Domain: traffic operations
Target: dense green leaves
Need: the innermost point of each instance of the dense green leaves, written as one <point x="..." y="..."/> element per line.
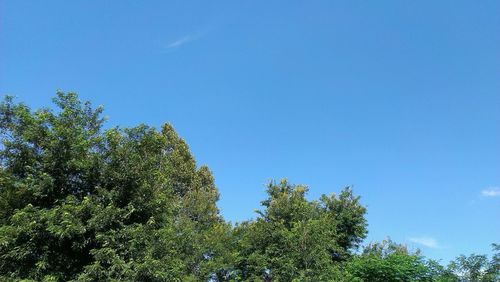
<point x="299" y="239"/>
<point x="79" y="202"/>
<point x="387" y="261"/>
<point x="82" y="203"/>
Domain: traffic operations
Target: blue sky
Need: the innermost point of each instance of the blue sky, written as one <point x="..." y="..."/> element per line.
<point x="399" y="99"/>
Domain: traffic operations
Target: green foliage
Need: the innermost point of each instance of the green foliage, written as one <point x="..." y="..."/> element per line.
<point x="477" y="267"/>
<point x="83" y="203"/>
<point x="294" y="239"/>
<point x="388" y="261"/>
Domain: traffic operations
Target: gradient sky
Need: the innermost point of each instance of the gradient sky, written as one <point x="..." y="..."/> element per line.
<point x="400" y="99"/>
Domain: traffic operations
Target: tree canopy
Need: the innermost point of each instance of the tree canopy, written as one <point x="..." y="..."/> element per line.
<point x="81" y="202"/>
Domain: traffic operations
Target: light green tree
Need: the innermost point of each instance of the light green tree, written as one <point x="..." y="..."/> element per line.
<point x="294" y="239"/>
<point x="477" y="268"/>
<point x="387" y="261"/>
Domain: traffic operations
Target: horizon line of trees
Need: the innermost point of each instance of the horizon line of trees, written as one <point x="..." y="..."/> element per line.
<point x="83" y="203"/>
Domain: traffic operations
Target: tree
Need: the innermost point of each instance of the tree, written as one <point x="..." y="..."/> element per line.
<point x="388" y="261"/>
<point x="294" y="239"/>
<point x="477" y="267"/>
<point x="82" y="203"/>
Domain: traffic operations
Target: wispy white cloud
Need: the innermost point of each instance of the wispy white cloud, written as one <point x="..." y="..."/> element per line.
<point x="425" y="241"/>
<point x="182" y="41"/>
<point x="491" y="192"/>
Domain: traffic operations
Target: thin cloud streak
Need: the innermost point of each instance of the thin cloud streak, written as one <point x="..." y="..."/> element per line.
<point x="491" y="192"/>
<point x="182" y="41"/>
<point x="425" y="241"/>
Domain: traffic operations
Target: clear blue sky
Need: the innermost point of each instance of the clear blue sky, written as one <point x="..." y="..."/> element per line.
<point x="400" y="99"/>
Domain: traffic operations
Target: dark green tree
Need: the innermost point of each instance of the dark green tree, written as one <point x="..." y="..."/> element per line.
<point x="81" y="203"/>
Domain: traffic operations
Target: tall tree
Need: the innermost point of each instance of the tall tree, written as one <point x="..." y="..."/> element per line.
<point x="81" y="203"/>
